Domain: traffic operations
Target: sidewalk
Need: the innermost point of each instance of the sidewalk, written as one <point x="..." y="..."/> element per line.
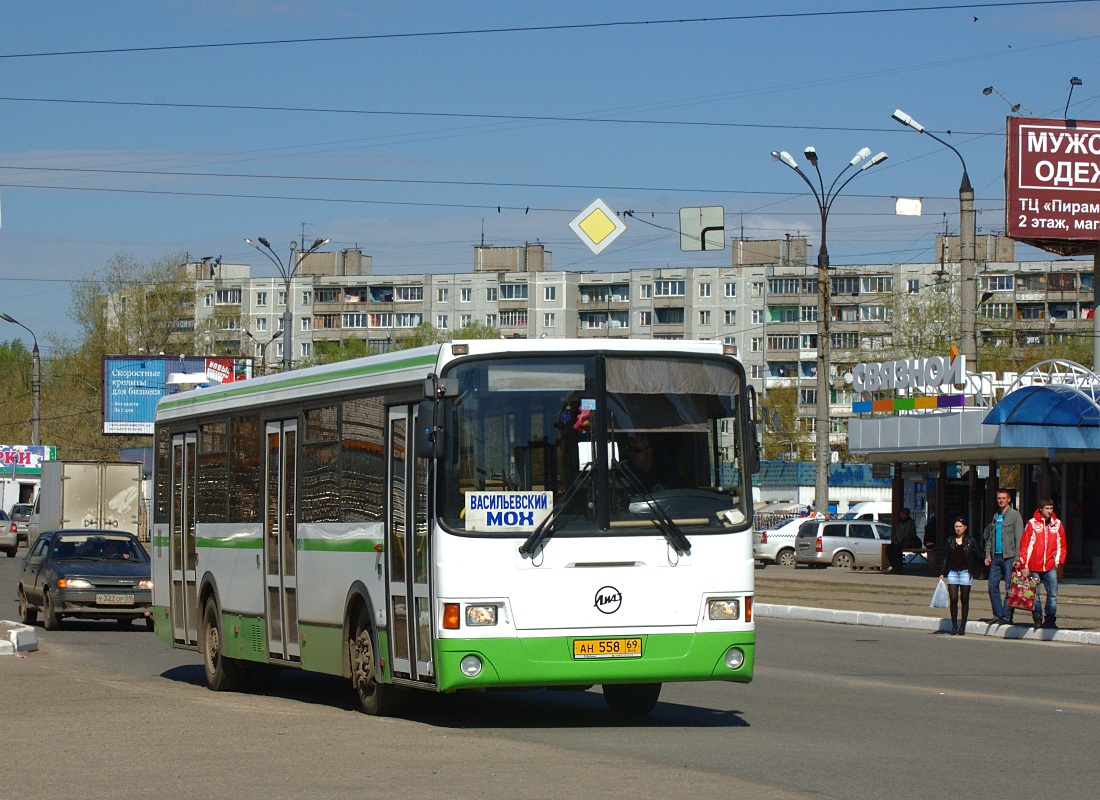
<point x="863" y="597"/>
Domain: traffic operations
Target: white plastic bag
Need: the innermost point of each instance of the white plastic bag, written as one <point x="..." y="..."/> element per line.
<point x="939" y="597"/>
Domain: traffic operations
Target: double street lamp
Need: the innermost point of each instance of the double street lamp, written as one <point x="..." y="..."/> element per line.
<point x="287" y="274"/>
<point x="36" y="381"/>
<point x="967" y="261"/>
<point x="825" y="198"/>
<point x="263" y="347"/>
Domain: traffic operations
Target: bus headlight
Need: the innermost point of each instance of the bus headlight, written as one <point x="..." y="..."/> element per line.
<point x="470" y="666"/>
<point x="734" y="658"/>
<point x="723" y="608"/>
<point x="478" y="616"/>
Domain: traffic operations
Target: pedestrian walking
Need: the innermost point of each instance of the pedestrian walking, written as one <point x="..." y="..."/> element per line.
<point x="1002" y="542"/>
<point x="903" y="534"/>
<point x="961" y="562"/>
<point x="1042" y="551"/>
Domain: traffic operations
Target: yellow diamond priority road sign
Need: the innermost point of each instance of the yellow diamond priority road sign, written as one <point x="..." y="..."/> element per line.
<point x="597" y="226"/>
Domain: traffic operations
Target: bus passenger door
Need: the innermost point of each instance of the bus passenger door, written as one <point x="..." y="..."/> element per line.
<point x="407" y="544"/>
<point x="280" y="542"/>
<point x="181" y="543"/>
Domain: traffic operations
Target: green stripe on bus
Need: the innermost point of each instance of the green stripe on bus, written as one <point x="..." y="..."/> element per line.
<point x="231" y="542"/>
<point x="189" y="399"/>
<point x="548" y="661"/>
<point x="341" y="545"/>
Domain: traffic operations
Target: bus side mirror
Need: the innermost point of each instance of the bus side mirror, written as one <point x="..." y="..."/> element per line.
<point x="428" y="442"/>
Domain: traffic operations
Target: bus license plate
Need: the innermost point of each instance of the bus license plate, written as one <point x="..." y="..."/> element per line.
<point x="114" y="599"/>
<point x="607" y="648"/>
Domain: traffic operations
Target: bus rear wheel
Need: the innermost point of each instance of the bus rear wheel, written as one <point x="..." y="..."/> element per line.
<point x="631" y="699"/>
<point x="375" y="698"/>
<point x="223" y="674"/>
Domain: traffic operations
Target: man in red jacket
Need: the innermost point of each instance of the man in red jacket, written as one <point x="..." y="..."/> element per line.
<point x="1042" y="551"/>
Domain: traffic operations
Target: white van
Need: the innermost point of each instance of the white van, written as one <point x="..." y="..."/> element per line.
<point x="877" y="510"/>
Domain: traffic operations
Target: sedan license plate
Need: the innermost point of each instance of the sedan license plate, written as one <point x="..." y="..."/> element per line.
<point x="114" y="599"/>
<point x="607" y="648"/>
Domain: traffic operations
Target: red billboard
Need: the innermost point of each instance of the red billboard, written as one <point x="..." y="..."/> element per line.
<point x="1052" y="184"/>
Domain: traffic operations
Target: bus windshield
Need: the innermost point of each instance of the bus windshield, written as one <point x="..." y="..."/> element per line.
<point x="607" y="443"/>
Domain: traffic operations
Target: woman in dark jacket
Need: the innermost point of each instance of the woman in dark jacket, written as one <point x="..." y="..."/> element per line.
<point x="962" y="562"/>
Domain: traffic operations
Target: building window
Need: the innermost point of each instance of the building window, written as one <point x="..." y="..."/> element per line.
<point x="645" y="319"/>
<point x="490" y="294"/>
<point x="409" y="294"/>
<point x="846" y="285"/>
<point x="407" y="319"/>
<point x="704" y="290"/>
<point x="491" y="320"/>
<point x="306" y="349"/>
<point x="730" y="289"/>
<point x="669" y="288"/>
<point x="441" y="322"/>
<point x="845" y="341"/>
<point x="704" y="318"/>
<point x="465" y="320"/>
<point x="227" y="297"/>
<point x="876" y="284"/>
<point x="996" y="310"/>
<point x="360" y="321"/>
<point x="730" y="317"/>
<point x="329" y="296"/>
<point x="307" y="323"/>
<point x="874" y="313"/>
<point x="758" y="316"/>
<point x="776" y="342"/>
<point x="807" y="397"/>
<point x="808" y="341"/>
<point x="464" y="295"/>
<point x="549" y="320"/>
<point x="282" y="297"/>
<point x="647" y="291"/>
<point x="514" y="318"/>
<point x="756" y="344"/>
<point x="307" y="297"/>
<point x="670" y="316"/>
<point x="261" y="324"/>
<point x="441" y="295"/>
<point x="731" y="341"/>
<point x="756" y="371"/>
<point x="261" y="298"/>
<point x="513" y="291"/>
<point x="550" y="293"/>
<point x="382" y="319"/>
<point x="912" y="286"/>
<point x="996" y="283"/>
<point x="208" y="300"/>
<point x="756" y="288"/>
<point x="326" y="321"/>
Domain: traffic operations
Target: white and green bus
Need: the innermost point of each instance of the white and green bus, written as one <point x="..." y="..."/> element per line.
<point x="471" y="515"/>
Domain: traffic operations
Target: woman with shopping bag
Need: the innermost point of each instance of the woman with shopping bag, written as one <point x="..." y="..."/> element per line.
<point x="962" y="562"/>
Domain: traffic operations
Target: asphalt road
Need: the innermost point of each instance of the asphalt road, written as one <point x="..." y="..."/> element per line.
<point x="835" y="711"/>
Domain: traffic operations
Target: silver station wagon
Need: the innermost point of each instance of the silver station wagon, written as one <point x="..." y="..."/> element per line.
<point x="841" y="543"/>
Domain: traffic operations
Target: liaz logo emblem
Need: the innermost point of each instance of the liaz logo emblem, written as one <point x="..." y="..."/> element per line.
<point x="608" y="600"/>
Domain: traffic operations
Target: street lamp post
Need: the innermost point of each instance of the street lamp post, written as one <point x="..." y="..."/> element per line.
<point x="36" y="381"/>
<point x="825" y="198"/>
<point x="287" y="274"/>
<point x="263" y="347"/>
<point x="967" y="263"/>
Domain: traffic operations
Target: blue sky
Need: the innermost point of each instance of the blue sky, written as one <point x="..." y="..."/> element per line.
<point x="415" y="183"/>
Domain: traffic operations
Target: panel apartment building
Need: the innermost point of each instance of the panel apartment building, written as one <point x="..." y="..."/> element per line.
<point x="764" y="304"/>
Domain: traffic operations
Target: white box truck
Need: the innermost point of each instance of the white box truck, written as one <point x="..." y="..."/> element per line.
<point x="88" y="494"/>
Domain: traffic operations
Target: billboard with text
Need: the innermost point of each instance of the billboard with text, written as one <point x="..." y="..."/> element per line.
<point x="132" y="385"/>
<point x="1052" y="184"/>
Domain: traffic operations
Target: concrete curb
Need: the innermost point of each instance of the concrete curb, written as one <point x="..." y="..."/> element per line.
<point x="19" y="638"/>
<point x="922" y="623"/>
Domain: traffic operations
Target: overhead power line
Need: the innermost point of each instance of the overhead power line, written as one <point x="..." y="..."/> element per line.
<point x="548" y="28"/>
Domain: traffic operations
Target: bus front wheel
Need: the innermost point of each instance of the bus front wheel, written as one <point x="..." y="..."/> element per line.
<point x="375" y="698"/>
<point x="222" y="674"/>
<point x="631" y="699"/>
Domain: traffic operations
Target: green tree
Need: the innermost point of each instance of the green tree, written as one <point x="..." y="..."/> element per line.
<point x="782" y="436"/>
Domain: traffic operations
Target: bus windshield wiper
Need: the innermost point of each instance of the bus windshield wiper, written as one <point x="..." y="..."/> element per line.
<point x="545" y="529"/>
<point x="668" y="526"/>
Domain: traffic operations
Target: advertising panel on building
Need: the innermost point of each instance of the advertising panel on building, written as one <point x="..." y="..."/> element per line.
<point x="22" y="459"/>
<point x="132" y="385"/>
<point x="1052" y="184"/>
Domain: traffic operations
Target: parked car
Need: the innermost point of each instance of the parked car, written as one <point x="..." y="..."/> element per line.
<point x="9" y="535"/>
<point x="841" y="543"/>
<point x="776" y="545"/>
<point x="88" y="574"/>
<point x="20" y="514"/>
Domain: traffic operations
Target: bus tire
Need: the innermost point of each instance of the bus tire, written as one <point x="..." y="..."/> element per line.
<point x="223" y="674"/>
<point x="631" y="699"/>
<point x="375" y="698"/>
